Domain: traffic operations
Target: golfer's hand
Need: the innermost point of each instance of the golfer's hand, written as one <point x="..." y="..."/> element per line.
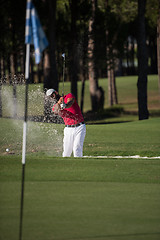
<point x="60" y="100"/>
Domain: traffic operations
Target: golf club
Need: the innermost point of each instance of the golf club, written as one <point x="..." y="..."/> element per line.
<point x="63" y="55"/>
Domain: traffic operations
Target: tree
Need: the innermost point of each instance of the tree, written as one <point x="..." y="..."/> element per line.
<point x="152" y="13"/>
<point x="0" y="98"/>
<point x="50" y="68"/>
<point x="158" y="45"/>
<point x="118" y="15"/>
<point x="73" y="53"/>
<point x="96" y="92"/>
<point x="112" y="90"/>
<point x="12" y="27"/>
<point x="65" y="28"/>
<point x="142" y="63"/>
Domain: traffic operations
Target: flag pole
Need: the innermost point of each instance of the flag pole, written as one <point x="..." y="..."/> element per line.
<point x="33" y="35"/>
<point x="24" y="136"/>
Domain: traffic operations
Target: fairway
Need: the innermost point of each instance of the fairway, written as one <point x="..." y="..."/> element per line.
<point x="81" y="199"/>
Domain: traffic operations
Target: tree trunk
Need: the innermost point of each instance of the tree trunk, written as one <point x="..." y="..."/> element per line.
<point x="3" y="67"/>
<point x="73" y="67"/>
<point x="97" y="93"/>
<point x="1" y="81"/>
<point x="39" y="73"/>
<point x="51" y="79"/>
<point x="14" y="100"/>
<point x="158" y="47"/>
<point x="47" y="85"/>
<point x="11" y="67"/>
<point x="132" y="57"/>
<point x="83" y="73"/>
<point x="112" y="91"/>
<point x="83" y="79"/>
<point x="22" y="63"/>
<point x="12" y="81"/>
<point x="152" y="46"/>
<point x="142" y="63"/>
<point x="82" y="94"/>
<point x="0" y="98"/>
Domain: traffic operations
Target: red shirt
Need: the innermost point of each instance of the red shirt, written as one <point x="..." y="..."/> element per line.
<point x="73" y="114"/>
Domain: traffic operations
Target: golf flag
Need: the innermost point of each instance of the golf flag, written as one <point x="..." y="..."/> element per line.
<point x="34" y="33"/>
<point x="63" y="55"/>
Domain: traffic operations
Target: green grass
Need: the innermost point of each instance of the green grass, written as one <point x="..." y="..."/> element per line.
<point x="131" y="138"/>
<point x="89" y="198"/>
<point x="81" y="199"/>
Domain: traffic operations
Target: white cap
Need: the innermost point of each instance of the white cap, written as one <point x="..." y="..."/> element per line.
<point x="49" y="92"/>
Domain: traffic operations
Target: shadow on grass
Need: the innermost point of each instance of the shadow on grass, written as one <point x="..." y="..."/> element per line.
<point x="101" y="123"/>
<point x="113" y="112"/>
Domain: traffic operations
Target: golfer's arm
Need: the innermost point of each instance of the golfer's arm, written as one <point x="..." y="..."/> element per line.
<point x="70" y="102"/>
<point x="56" y="108"/>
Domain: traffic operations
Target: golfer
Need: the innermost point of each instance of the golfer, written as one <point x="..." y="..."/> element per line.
<point x="75" y="128"/>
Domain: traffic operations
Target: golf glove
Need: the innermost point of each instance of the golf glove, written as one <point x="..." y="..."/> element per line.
<point x="63" y="105"/>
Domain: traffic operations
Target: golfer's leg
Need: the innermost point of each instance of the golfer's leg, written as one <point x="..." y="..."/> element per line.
<point x="79" y="140"/>
<point x="67" y="142"/>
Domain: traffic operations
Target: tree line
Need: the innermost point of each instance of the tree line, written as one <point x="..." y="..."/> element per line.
<point x="101" y="38"/>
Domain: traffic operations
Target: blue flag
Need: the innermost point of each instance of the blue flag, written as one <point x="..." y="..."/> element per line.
<point x="34" y="33"/>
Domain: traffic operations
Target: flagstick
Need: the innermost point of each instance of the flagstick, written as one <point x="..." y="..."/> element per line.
<point x="24" y="137"/>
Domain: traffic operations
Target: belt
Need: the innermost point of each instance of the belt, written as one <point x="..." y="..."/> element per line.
<point x="75" y="125"/>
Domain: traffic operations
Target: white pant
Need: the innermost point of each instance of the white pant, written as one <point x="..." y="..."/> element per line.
<point x="73" y="141"/>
